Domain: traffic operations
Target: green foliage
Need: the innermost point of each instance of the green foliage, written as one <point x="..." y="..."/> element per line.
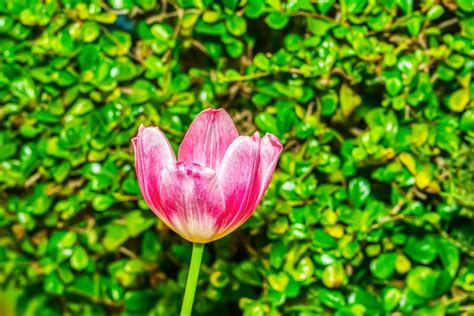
<point x="370" y="211"/>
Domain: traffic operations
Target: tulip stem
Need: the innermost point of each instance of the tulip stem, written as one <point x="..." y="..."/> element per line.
<point x="191" y="283"/>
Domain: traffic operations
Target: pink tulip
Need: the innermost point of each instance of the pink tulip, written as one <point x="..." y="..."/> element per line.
<point x="217" y="181"/>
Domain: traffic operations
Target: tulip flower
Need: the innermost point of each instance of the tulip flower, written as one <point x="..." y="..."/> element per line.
<point x="211" y="188"/>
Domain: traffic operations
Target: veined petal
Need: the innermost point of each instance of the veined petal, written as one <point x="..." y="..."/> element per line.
<point x="208" y="138"/>
<point x="270" y="150"/>
<point x="152" y="152"/>
<point x="191" y="198"/>
<point x="240" y="181"/>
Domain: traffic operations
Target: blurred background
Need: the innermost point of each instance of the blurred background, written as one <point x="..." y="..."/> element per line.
<point x="370" y="211"/>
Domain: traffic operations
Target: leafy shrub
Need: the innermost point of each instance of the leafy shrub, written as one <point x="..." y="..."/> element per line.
<point x="370" y="211"/>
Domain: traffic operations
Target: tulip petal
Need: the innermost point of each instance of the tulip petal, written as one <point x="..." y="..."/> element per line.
<point x="152" y="153"/>
<point x="191" y="197"/>
<point x="270" y="150"/>
<point x="208" y="138"/>
<point x="240" y="181"/>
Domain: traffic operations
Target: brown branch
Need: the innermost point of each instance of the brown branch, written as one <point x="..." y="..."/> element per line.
<point x="448" y="23"/>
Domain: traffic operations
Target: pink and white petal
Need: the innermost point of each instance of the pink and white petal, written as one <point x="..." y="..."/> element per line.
<point x="240" y="181"/>
<point x="152" y="153"/>
<point x="270" y="150"/>
<point x="208" y="138"/>
<point x="191" y="198"/>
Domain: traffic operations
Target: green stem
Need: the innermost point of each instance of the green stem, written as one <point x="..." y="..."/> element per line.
<point x="191" y="283"/>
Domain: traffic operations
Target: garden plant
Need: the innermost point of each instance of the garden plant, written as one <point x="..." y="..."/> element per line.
<point x="370" y="210"/>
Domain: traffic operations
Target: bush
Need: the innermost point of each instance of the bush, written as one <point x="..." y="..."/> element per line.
<point x="369" y="212"/>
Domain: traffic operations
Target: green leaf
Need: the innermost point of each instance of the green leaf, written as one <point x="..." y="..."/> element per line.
<point x="102" y="202"/>
<point x="318" y="26"/>
<point x="279" y="281"/>
<point x="329" y="104"/>
<point x="261" y="61"/>
<point x="437" y="308"/>
<point x="24" y="87"/>
<point x="120" y="4"/>
<point x="89" y="57"/>
<point x="332" y="298"/>
<point x="8" y="150"/>
<point x="449" y="255"/>
<point x="161" y="32"/>
<point x="333" y="275"/>
<point x="117" y="43"/>
<point x="422" y="250"/>
<point x="266" y="123"/>
<point x="414" y="25"/>
<point x="459" y="100"/>
<point x="325" y="6"/>
<point x="349" y="100"/>
<point x="150" y="248"/>
<point x="422" y="281"/>
<point x="52" y="284"/>
<point x="447" y="211"/>
<point x="230" y="4"/>
<point x="391" y="298"/>
<point x="303" y="270"/>
<point x="277" y="20"/>
<point x="68" y="240"/>
<point x="211" y="16"/>
<point x="236" y="25"/>
<point x="147" y="4"/>
<point x="115" y="236"/>
<point x="406" y="6"/>
<point x="85" y="285"/>
<point x="322" y="239"/>
<point x="235" y="48"/>
<point x="359" y="191"/>
<point x="81" y="107"/>
<point x="79" y="259"/>
<point x="467" y="121"/>
<point x="254" y="8"/>
<point x="435" y="12"/>
<point x="136" y="223"/>
<point x="246" y="272"/>
<point x="465" y="5"/>
<point x="139" y="301"/>
<point x="370" y="302"/>
<point x="90" y="31"/>
<point x="394" y="86"/>
<point x="383" y="266"/>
